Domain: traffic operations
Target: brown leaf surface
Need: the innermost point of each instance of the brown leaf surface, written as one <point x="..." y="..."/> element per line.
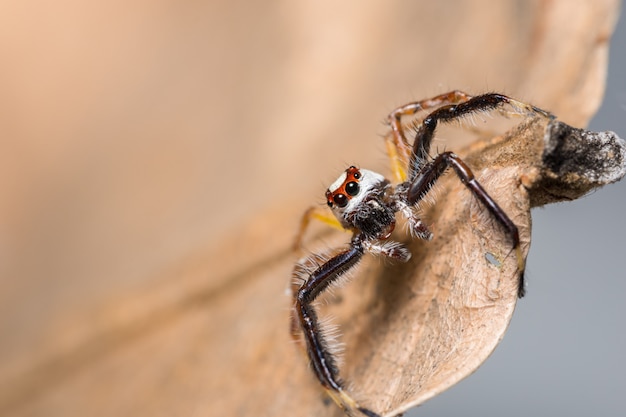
<point x="147" y="265"/>
<point x="413" y="330"/>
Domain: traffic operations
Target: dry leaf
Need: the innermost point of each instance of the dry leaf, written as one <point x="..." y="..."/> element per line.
<point x="413" y="330"/>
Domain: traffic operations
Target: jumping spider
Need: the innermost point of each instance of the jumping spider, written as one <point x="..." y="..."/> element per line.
<point x="365" y="203"/>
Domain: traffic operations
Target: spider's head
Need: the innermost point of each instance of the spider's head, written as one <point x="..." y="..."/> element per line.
<point x="351" y="188"/>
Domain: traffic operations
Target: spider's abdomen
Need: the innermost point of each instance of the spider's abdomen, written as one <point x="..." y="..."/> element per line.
<point x="373" y="218"/>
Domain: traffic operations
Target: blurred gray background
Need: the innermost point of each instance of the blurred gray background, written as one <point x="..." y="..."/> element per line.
<point x="564" y="353"/>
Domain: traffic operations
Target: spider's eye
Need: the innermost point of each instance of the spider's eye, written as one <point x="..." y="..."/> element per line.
<point x="356" y="175"/>
<point x="352" y="188"/>
<point x="341" y="200"/>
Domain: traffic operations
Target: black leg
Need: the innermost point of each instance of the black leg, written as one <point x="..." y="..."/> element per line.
<point x="321" y="359"/>
<point x="430" y="173"/>
<point x="482" y="103"/>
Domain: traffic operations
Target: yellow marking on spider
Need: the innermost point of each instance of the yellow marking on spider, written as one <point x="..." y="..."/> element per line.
<point x="317" y="213"/>
<point x="397" y="165"/>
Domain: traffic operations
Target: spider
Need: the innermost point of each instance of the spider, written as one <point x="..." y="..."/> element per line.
<point x="365" y="203"/>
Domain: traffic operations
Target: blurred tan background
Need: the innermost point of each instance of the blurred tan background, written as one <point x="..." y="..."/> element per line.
<point x="137" y="136"/>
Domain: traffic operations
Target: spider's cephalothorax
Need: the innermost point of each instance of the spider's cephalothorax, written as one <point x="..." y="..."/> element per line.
<point x="360" y="199"/>
<point x="365" y="203"/>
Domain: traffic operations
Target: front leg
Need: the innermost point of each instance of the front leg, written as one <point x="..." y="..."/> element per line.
<point x="305" y="317"/>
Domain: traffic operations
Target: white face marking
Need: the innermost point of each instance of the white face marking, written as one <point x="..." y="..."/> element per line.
<point x="333" y="187"/>
<point x="368" y="181"/>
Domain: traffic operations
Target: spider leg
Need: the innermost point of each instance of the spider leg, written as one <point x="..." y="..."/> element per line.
<point x="415" y="225"/>
<point x="388" y="248"/>
<point x="398" y="148"/>
<point x="322" y="361"/>
<point x="430" y="173"/>
<point x="316" y="213"/>
<point x="423" y="174"/>
<point x="447" y="113"/>
<point x="398" y="163"/>
<point x="306" y="325"/>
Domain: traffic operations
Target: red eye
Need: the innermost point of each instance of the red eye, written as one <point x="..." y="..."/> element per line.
<point x="341" y="200"/>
